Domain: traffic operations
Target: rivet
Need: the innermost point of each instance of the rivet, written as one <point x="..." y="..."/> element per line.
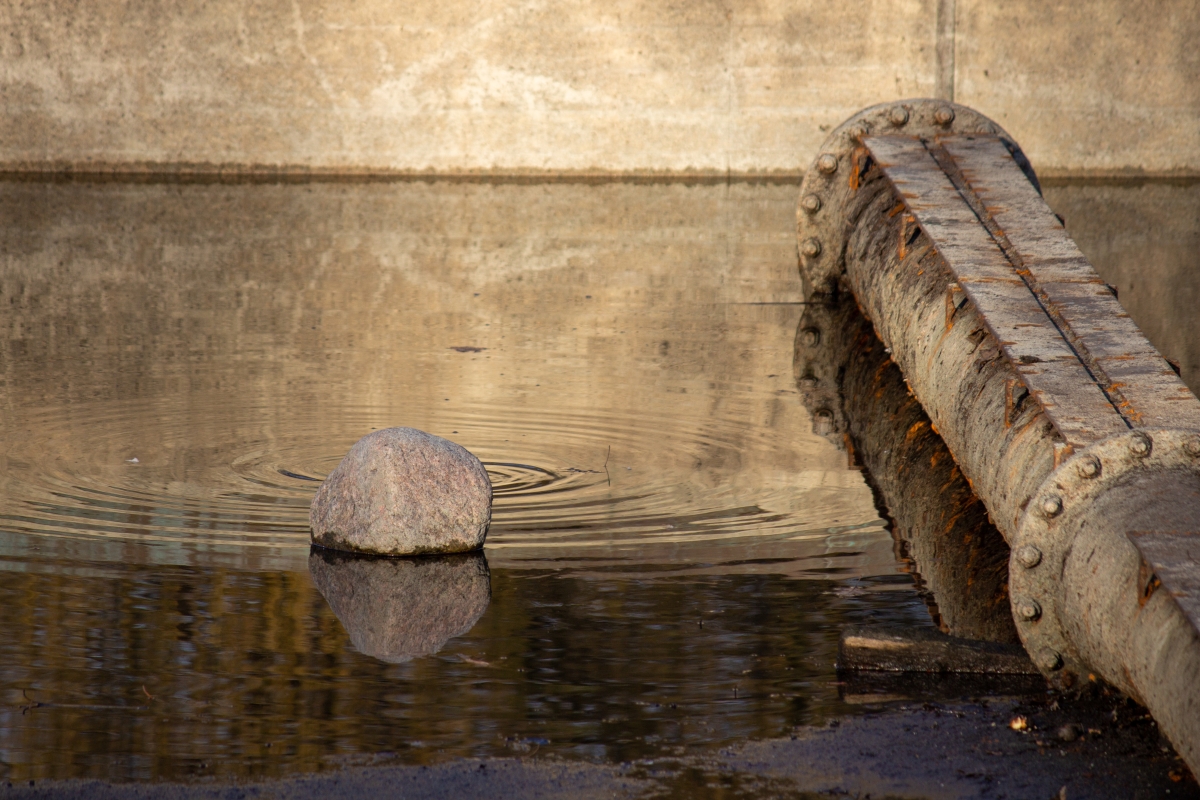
<point x="827" y="163"/>
<point x="811" y="247"/>
<point x="1088" y="467"/>
<point x="1029" y="556"/>
<point x="1140" y="445"/>
<point x="898" y="115"/>
<point x="812" y="337"/>
<point x="1027" y="609"/>
<point x="1052" y="506"/>
<point x="1049" y="660"/>
<point x="944" y="115"/>
<point x="810" y="203"/>
<point x="1191" y="446"/>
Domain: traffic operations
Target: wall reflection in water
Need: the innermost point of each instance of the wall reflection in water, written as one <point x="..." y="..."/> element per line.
<point x="181" y="364"/>
<point x="672" y="552"/>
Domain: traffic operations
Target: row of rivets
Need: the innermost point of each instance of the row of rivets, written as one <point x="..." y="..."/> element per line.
<point x="1029" y="556"/>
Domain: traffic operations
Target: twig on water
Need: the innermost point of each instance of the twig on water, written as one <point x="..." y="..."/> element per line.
<point x="25" y="709"/>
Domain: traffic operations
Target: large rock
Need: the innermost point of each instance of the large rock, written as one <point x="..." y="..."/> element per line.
<point x="400" y="491"/>
<point x="396" y="609"/>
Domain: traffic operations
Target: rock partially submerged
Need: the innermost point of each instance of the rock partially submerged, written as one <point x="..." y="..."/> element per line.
<point x="400" y="491"/>
<point x="396" y="609"/>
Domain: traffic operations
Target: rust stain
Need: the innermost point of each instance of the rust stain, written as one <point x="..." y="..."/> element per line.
<point x="858" y="166"/>
<point x="915" y="430"/>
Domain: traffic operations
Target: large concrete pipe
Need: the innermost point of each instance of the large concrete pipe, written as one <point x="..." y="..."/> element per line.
<point x="1078" y="437"/>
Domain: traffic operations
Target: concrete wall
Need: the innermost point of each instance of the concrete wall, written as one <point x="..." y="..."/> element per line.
<point x="579" y="85"/>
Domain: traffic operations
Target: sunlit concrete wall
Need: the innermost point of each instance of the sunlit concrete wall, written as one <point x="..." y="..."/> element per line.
<point x="579" y="85"/>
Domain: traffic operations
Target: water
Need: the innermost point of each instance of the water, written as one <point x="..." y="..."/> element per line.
<point x="673" y="551"/>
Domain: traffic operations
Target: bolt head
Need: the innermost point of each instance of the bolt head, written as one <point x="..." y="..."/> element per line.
<point x="811" y="247"/>
<point x="1052" y="505"/>
<point x="1140" y="445"/>
<point x="898" y="115"/>
<point x="1191" y="446"/>
<point x="810" y="203"/>
<point x="827" y="163"/>
<point x="1088" y="467"/>
<point x="1048" y="660"/>
<point x="1027" y="609"/>
<point x="944" y="115"/>
<point x="1029" y="556"/>
<point x="812" y="337"/>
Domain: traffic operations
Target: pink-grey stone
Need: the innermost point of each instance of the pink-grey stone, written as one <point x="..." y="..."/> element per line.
<point x="396" y="609"/>
<point x="401" y="491"/>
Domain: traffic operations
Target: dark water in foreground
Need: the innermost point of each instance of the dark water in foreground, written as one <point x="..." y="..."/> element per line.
<point x="673" y="553"/>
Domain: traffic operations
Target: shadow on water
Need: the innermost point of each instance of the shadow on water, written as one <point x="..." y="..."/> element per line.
<point x="397" y="609"/>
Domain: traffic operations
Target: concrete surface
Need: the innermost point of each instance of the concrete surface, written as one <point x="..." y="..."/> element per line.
<point x="1096" y="748"/>
<point x="743" y="86"/>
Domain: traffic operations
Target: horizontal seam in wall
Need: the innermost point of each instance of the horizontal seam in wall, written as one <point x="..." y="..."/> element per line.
<point x="237" y="173"/>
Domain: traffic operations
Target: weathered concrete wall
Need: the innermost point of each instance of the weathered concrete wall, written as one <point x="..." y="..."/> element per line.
<point x="1106" y="86"/>
<point x="578" y="85"/>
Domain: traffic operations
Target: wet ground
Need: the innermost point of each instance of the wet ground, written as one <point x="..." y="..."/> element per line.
<point x="673" y="554"/>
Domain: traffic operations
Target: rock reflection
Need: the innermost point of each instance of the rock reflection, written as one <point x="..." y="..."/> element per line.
<point x="859" y="400"/>
<point x="397" y="609"/>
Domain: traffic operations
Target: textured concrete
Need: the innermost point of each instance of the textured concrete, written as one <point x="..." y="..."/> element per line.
<point x="383" y="84"/>
<point x="579" y="85"/>
<point x="1098" y="749"/>
<point x="1106" y="86"/>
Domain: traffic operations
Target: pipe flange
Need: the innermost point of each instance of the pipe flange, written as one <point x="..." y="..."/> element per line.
<point x="822" y="224"/>
<point x="1051" y="522"/>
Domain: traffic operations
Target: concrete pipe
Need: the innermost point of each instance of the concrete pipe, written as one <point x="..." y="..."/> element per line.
<point x="1076" y="434"/>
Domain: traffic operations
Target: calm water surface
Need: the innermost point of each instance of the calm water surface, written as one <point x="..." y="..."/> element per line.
<point x="673" y="551"/>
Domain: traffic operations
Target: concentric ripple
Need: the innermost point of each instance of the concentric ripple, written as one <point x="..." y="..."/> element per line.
<point x="611" y="482"/>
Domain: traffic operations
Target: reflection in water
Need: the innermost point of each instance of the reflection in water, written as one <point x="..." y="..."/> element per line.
<point x="672" y="551"/>
<point x="859" y="400"/>
<point x="396" y="609"/>
<point x="180" y="360"/>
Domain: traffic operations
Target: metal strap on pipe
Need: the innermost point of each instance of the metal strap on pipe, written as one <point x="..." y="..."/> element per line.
<point x="1049" y="367"/>
<point x="1075" y="349"/>
<point x="1144" y="388"/>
